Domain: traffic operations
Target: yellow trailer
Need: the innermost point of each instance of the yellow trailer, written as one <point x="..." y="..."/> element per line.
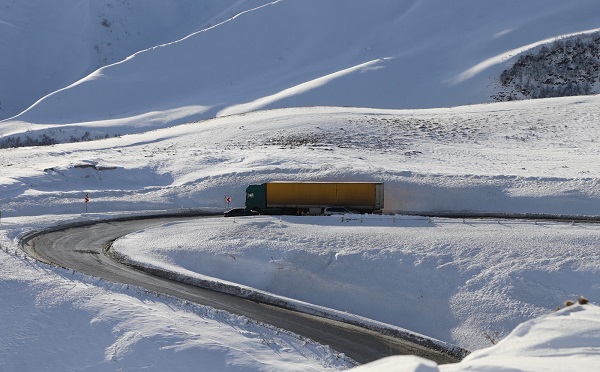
<point x="312" y="197"/>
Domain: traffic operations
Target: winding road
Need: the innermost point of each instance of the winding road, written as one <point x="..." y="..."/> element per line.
<point x="83" y="248"/>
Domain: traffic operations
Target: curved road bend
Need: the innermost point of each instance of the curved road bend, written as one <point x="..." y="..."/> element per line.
<point x="81" y="248"/>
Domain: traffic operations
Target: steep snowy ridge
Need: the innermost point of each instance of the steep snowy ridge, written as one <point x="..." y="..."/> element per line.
<point x="384" y="54"/>
<point x="49" y="45"/>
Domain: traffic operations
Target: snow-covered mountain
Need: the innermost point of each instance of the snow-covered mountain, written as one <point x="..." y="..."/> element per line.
<point x="191" y="60"/>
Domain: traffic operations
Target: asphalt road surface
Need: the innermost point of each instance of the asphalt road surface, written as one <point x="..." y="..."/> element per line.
<point x="81" y="248"/>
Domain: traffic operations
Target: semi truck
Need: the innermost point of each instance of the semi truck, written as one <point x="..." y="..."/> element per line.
<point x="313" y="197"/>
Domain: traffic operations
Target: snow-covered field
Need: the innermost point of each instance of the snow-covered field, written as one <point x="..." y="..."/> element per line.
<point x="468" y="283"/>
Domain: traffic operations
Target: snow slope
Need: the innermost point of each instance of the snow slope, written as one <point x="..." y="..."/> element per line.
<point x="521" y="157"/>
<point x="381" y="54"/>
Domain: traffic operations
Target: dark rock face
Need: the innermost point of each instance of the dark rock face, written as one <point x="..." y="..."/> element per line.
<point x="568" y="67"/>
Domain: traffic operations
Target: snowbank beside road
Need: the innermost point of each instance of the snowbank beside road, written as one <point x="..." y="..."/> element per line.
<point x="467" y="283"/>
<point x="56" y="319"/>
<point x="563" y="341"/>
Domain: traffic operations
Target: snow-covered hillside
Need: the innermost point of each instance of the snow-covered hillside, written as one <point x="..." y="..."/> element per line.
<point x="540" y="153"/>
<point x="380" y="54"/>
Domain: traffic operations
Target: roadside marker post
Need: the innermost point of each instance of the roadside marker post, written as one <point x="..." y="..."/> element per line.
<point x="87" y="199"/>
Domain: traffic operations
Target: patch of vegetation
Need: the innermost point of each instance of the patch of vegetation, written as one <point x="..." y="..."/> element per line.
<point x="296" y="140"/>
<point x="568" y="67"/>
<point x="44" y="139"/>
<point x="18" y="141"/>
<point x="386" y="134"/>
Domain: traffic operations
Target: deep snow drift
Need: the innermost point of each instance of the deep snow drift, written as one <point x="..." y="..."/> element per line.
<point x="564" y="341"/>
